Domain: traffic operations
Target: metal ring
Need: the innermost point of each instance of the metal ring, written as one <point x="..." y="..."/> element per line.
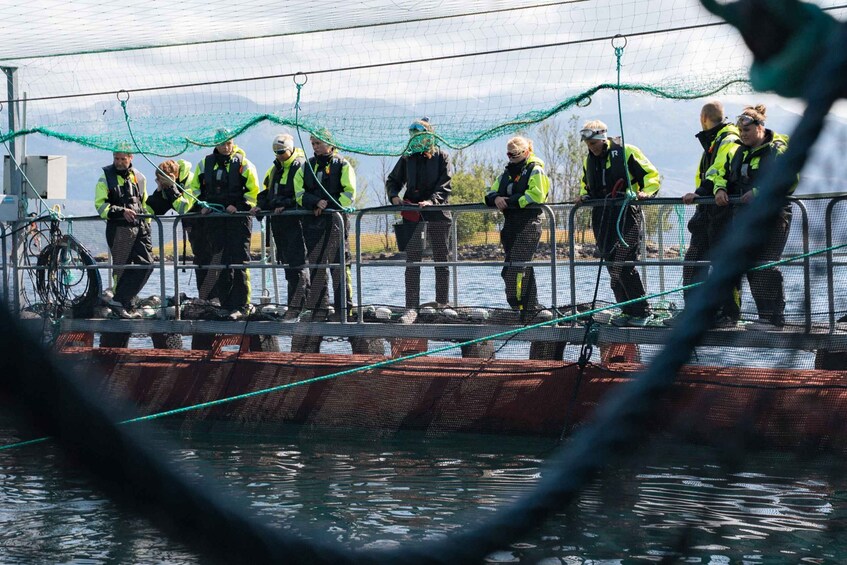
<point x="583" y="102"/>
<point x="1" y="106"/>
<point x="616" y="37"/>
<point x="118" y="94"/>
<point x="305" y="78"/>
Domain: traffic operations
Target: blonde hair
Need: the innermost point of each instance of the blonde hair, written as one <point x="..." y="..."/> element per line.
<point x="756" y="112"/>
<point x="595" y="124"/>
<point x="168" y="168"/>
<point x="520" y="143"/>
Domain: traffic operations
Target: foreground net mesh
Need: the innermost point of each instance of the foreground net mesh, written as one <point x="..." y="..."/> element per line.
<point x="556" y="392"/>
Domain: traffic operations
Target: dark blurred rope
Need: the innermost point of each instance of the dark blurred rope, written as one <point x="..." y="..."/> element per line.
<point x="126" y="466"/>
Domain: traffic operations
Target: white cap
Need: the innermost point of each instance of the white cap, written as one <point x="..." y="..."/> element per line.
<point x="283" y="142"/>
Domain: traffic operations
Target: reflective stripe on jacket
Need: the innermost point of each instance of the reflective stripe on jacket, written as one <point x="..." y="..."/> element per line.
<point x="115" y="192"/>
<point x="529" y="186"/>
<point x="609" y="170"/>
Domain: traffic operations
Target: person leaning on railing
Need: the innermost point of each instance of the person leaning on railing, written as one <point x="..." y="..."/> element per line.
<point x="225" y="179"/>
<point x="172" y="179"/>
<point x="719" y="139"/>
<point x="120" y="196"/>
<point x="422" y="177"/>
<point x="278" y="196"/>
<point x="604" y="177"/>
<point x="521" y="184"/>
<point x="760" y="149"/>
<point x="326" y="182"/>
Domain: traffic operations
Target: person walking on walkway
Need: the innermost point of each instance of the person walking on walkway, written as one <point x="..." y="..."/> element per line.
<point x="605" y="171"/>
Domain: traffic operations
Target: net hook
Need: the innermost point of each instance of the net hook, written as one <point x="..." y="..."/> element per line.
<point x="616" y="41"/>
<point x="305" y="78"/>
<point x="118" y="95"/>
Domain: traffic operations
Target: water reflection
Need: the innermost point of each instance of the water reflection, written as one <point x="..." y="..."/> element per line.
<point x="378" y="493"/>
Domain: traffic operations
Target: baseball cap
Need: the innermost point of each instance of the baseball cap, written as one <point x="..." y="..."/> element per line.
<point x="283" y="142"/>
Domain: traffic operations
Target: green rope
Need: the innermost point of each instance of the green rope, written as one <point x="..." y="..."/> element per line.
<point x="388" y="362"/>
<point x="338" y="206"/>
<point x="630" y="195"/>
<point x="182" y="190"/>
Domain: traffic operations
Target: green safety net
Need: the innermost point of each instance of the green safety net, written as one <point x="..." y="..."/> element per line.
<point x="476" y="69"/>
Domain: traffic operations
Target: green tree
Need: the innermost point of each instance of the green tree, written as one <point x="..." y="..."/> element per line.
<point x="473" y="174"/>
<point x="563" y="152"/>
<point x="657" y="218"/>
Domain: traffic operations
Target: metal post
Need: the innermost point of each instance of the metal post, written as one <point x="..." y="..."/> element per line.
<point x="177" y="222"/>
<point x="454" y="233"/>
<point x="660" y="236"/>
<point x="551" y="224"/>
<point x="17" y="155"/>
<point x="572" y="253"/>
<point x="807" y="267"/>
<point x="360" y="316"/>
<point x="162" y="279"/>
<point x="342" y="265"/>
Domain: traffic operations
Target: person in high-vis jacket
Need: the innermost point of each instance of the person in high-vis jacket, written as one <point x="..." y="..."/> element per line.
<point x="172" y="180"/>
<point x="277" y="197"/>
<point x="760" y="149"/>
<point x="225" y="179"/>
<point x="719" y="139"/>
<point x="522" y="184"/>
<point x="604" y="180"/>
<point x="323" y="185"/>
<point x="422" y="178"/>
<point x="120" y="196"/>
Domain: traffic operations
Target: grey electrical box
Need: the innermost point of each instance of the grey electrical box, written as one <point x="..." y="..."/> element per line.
<point x="48" y="175"/>
<point x="9" y="208"/>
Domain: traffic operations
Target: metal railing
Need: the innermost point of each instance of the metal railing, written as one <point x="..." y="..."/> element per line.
<point x="552" y="212"/>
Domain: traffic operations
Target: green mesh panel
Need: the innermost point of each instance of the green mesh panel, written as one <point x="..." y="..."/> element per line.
<point x="477" y="69"/>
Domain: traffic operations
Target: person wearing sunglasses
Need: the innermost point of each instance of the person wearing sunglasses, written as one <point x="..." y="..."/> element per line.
<point x="422" y="177"/>
<point x="720" y="140"/>
<point x="760" y="148"/>
<point x="604" y="179"/>
<point x="287" y="231"/>
<point x="522" y="185"/>
<point x="326" y="182"/>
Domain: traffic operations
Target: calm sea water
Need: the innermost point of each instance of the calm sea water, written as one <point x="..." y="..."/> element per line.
<point x="688" y="501"/>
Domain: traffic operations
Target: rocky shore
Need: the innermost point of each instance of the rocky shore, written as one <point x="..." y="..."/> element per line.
<point x="483" y="252"/>
<point x="494" y="252"/>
